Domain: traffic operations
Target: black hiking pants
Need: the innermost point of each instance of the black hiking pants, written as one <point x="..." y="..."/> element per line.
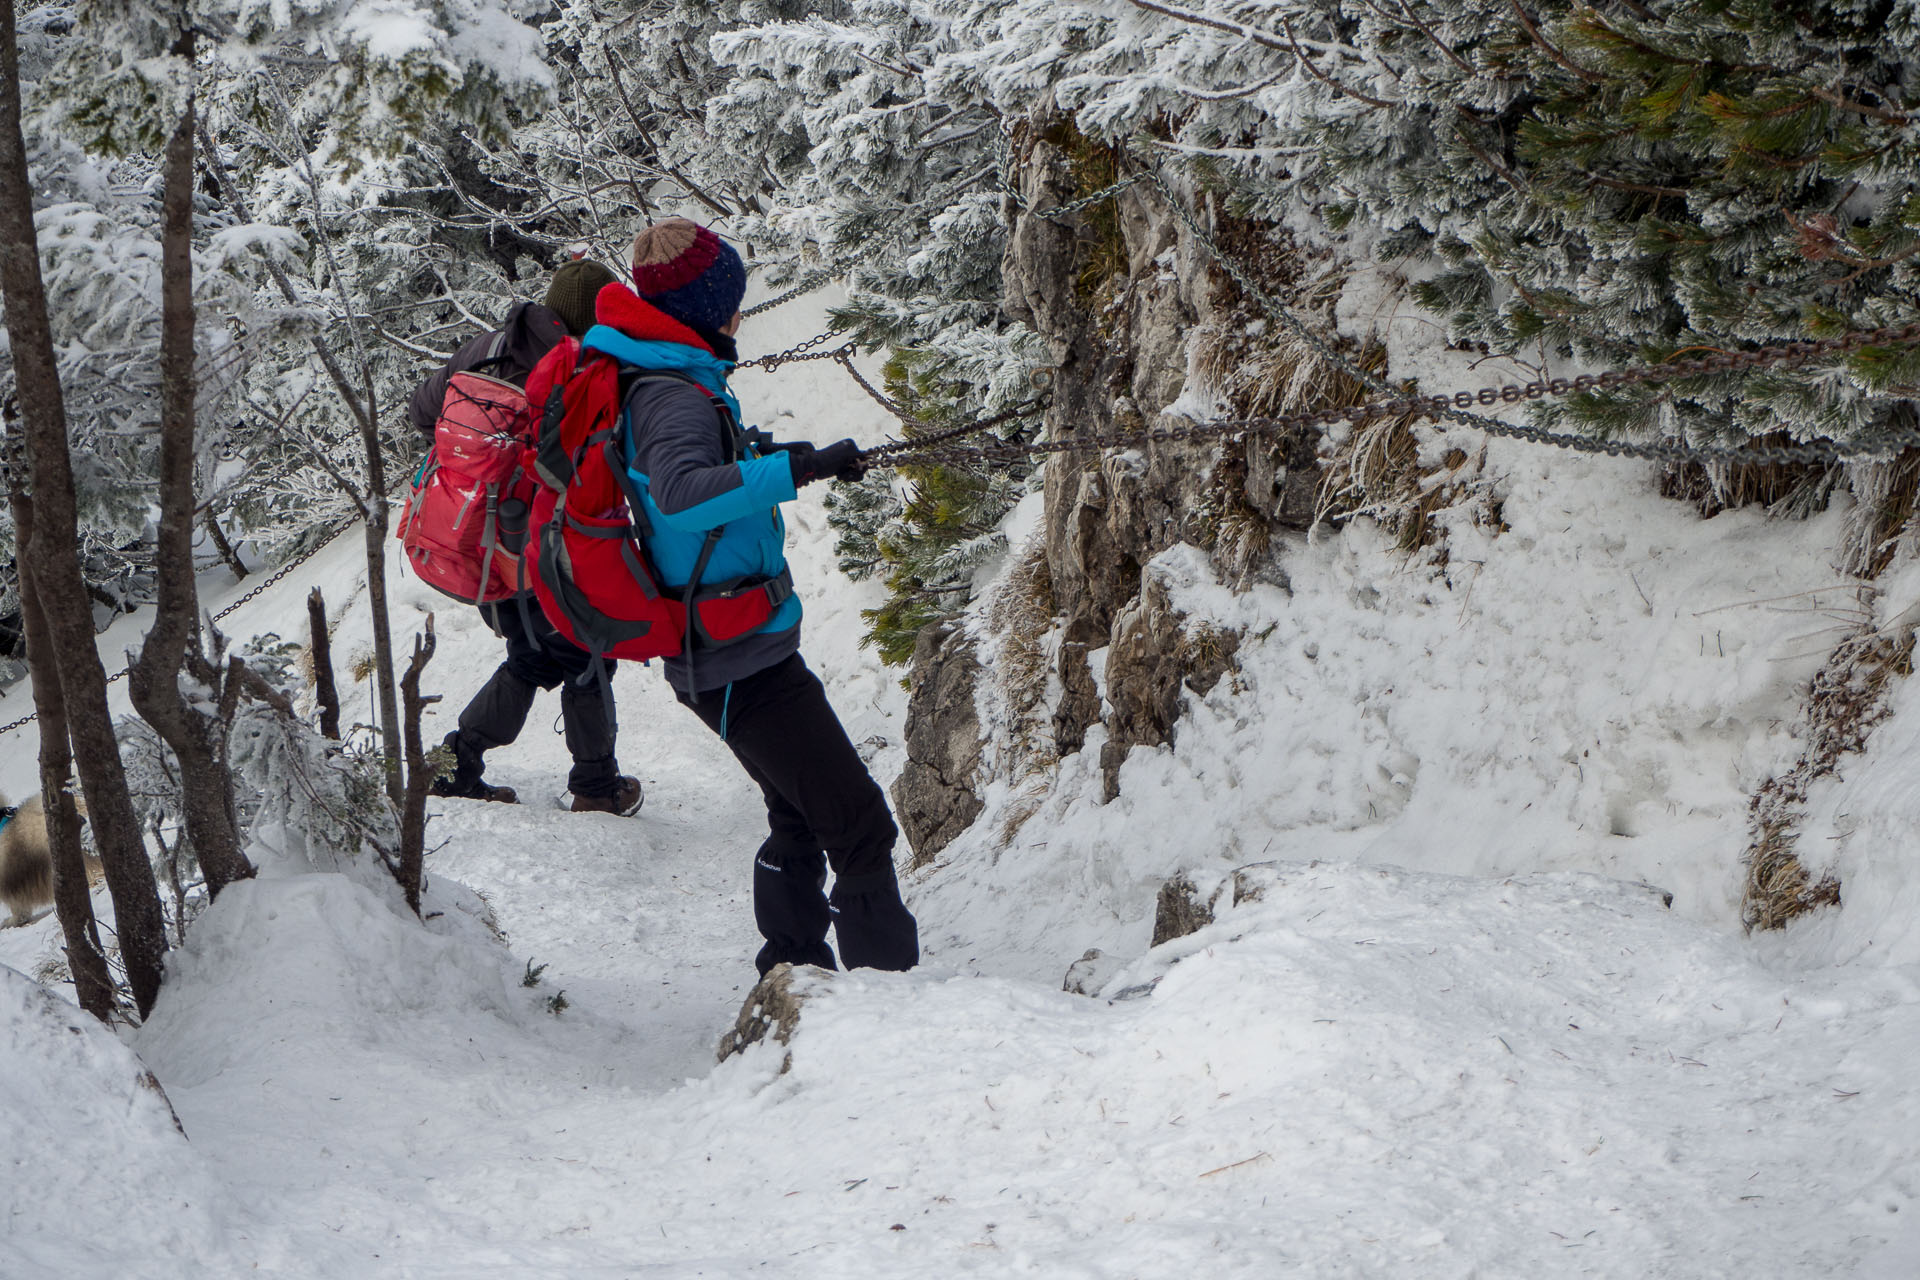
<point x="823" y="808"/>
<point x="538" y="657"/>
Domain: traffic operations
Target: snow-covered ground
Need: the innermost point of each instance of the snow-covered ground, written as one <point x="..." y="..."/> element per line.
<point x="1448" y="1035"/>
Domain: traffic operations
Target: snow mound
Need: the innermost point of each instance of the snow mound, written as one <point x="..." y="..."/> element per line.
<point x="320" y="963"/>
<point x="83" y="1119"/>
<point x="1361" y="1071"/>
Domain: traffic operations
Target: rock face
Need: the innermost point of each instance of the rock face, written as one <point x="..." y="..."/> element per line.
<point x="1122" y="341"/>
<point x="1079" y="705"/>
<point x="1179" y="911"/>
<point x="773" y="1006"/>
<point x="934" y="797"/>
<point x="1153" y="657"/>
<point x="1183" y="909"/>
<point x="1118" y="367"/>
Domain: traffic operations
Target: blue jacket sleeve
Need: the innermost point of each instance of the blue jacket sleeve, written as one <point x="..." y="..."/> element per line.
<point x="756" y="485"/>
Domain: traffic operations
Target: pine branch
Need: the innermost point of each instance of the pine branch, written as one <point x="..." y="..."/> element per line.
<point x="1860" y="108"/>
<point x="1533" y="33"/>
<point x="1322" y="77"/>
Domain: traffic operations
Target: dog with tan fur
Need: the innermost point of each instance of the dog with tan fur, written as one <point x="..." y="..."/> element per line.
<point x="26" y="862"/>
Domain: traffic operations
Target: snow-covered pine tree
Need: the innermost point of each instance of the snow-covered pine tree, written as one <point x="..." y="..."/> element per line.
<point x="328" y="130"/>
<point x="125" y="84"/>
<point x="891" y="174"/>
<point x="1627" y="185"/>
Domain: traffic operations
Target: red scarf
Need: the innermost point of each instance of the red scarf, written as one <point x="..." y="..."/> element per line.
<point x="621" y="308"/>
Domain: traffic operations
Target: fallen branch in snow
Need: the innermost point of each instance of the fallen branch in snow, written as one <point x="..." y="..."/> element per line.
<point x="1236" y="1164"/>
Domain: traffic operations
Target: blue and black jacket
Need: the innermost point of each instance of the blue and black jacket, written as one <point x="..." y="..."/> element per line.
<point x="694" y="476"/>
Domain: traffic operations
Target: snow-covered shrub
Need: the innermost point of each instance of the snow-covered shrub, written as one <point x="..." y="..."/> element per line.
<point x="302" y="801"/>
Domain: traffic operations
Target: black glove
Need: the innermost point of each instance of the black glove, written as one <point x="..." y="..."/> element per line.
<point x="839" y="461"/>
<point x="763" y="443"/>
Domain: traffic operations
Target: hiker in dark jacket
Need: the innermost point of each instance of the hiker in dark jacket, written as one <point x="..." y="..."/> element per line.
<point x="537" y="656"/>
<point x="823" y="808"/>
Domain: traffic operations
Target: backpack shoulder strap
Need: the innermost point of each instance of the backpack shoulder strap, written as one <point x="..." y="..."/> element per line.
<point x="495" y="352"/>
<point x="732" y="439"/>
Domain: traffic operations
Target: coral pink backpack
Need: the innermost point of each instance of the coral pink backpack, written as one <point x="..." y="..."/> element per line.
<point x="465" y="519"/>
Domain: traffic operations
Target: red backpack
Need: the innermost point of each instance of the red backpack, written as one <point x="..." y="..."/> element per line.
<point x="587" y="561"/>
<point x="472" y="477"/>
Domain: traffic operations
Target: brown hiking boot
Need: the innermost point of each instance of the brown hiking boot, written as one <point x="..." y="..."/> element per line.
<point x="625" y="801"/>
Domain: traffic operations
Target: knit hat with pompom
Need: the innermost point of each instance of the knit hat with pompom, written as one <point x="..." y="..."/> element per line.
<point x="690" y="273"/>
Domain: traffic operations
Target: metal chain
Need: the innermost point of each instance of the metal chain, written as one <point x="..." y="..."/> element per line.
<point x="1103" y="194"/>
<point x="270" y="580"/>
<point x="808" y="283"/>
<point x="1787" y="355"/>
<point x="280" y="574"/>
<point x="889" y="453"/>
<point x="845" y="356"/>
<point x="1456" y="406"/>
<point x="793" y="353"/>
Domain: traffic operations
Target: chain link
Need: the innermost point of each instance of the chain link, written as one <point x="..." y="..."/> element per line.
<point x="890" y="453"/>
<point x="808" y="283"/>
<point x="800" y="351"/>
<point x="1456" y="407"/>
<point x="1784" y="356"/>
<point x="845" y="356"/>
<point x="1103" y="194"/>
<point x="277" y="576"/>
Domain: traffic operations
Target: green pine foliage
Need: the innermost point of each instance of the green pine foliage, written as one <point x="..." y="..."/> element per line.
<point x="925" y="529"/>
<point x="1631" y="185"/>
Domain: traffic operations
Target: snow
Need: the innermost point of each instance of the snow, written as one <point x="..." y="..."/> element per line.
<point x="1452" y="1035"/>
<point x="70" y="1087"/>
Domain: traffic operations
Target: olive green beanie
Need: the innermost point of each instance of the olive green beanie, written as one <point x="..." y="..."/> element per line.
<point x="575" y="286"/>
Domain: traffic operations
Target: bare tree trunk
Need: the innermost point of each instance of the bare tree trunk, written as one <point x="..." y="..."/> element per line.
<point x="72" y="898"/>
<point x="61" y="590"/>
<point x="225" y="548"/>
<point x="321" y="648"/>
<point x="413" y="811"/>
<point x="174" y="643"/>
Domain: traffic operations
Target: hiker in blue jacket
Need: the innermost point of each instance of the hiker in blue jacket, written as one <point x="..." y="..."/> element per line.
<point x="711" y="493"/>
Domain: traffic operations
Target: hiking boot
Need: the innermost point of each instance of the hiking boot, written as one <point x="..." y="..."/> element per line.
<point x="475" y="790"/>
<point x="626" y="799"/>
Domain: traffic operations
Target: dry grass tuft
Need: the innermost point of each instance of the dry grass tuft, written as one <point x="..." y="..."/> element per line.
<point x="1209" y="653"/>
<point x="1019" y="810"/>
<point x="1236" y="533"/>
<point x="1885" y="494"/>
<point x="1847" y="699"/>
<point x="1784" y="488"/>
<point x="1261" y="370"/>
<point x="1778" y="886"/>
<point x="1377" y="472"/>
